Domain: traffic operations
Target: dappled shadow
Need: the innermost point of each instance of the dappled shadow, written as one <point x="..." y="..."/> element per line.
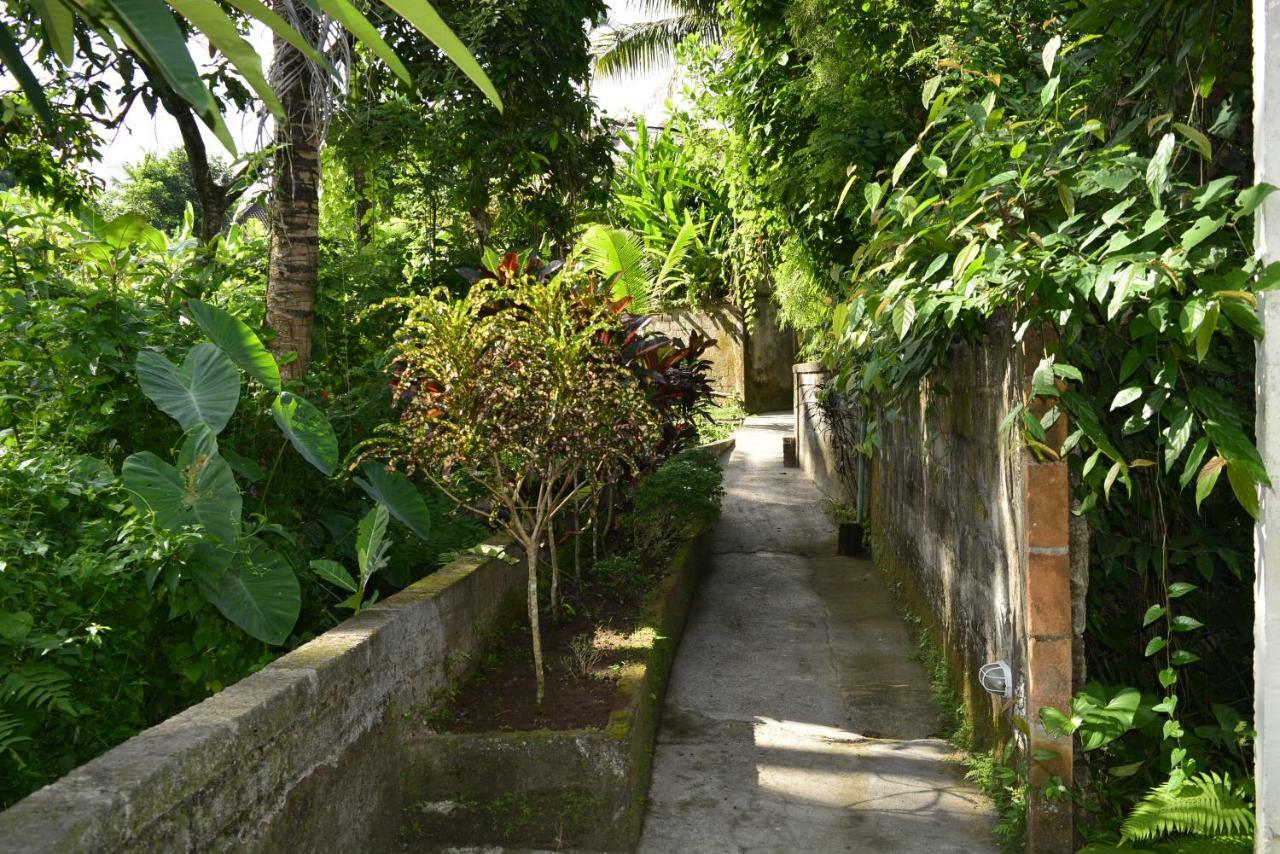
<point x="796" y="720"/>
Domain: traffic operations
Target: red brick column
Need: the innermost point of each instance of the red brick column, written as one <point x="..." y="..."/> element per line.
<point x="1046" y="494"/>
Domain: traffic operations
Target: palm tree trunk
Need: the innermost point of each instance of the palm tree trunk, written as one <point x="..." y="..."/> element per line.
<point x="295" y="207"/>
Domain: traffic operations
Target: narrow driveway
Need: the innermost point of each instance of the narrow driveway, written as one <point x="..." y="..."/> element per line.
<point x="796" y="720"/>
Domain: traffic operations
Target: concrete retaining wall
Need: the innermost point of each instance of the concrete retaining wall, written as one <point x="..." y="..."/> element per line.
<point x="727" y="356"/>
<point x="583" y="789"/>
<point x="947" y="518"/>
<point x="753" y="365"/>
<point x="815" y="452"/>
<point x="302" y="756"/>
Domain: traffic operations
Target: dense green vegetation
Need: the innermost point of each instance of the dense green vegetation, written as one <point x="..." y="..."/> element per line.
<point x="911" y="171"/>
<point x="218" y="438"/>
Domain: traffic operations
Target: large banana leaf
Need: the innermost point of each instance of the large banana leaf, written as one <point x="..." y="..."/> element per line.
<point x="428" y="22"/>
<point x="11" y="58"/>
<point x="148" y="26"/>
<point x="205" y="390"/>
<point x="222" y="33"/>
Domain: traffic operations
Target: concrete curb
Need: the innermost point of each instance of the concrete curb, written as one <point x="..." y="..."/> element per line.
<point x="586" y="788"/>
<point x="718" y="448"/>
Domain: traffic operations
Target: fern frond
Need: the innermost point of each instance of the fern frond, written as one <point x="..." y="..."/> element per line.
<point x="42" y="687"/>
<point x="677" y="253"/>
<point x="1205" y="805"/>
<point x="11" y="735"/>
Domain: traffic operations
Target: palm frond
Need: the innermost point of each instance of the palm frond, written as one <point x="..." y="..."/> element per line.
<point x="678" y="252"/>
<point x="1206" y="805"/>
<point x="618" y="252"/>
<point x="645" y="45"/>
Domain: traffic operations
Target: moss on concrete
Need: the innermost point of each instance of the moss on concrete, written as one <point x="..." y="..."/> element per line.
<point x="582" y="788"/>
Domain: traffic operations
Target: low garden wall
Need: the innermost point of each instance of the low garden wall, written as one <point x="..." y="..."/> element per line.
<point x="583" y="789"/>
<point x="302" y="756"/>
<point x="815" y="450"/>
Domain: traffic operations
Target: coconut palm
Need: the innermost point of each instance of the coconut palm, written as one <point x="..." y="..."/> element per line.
<point x="642" y="45"/>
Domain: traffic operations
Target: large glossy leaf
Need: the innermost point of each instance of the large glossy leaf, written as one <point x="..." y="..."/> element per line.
<point x="237" y="340"/>
<point x="401" y="497"/>
<point x="334" y="573"/>
<point x="149" y="27"/>
<point x="269" y="19"/>
<point x="223" y="35"/>
<point x="428" y="22"/>
<point x="11" y="58"/>
<point x="59" y="23"/>
<point x="372" y="543"/>
<point x="130" y="228"/>
<point x="358" y="25"/>
<point x="199" y="492"/>
<point x="204" y="390"/>
<point x="260" y="594"/>
<point x="307" y="430"/>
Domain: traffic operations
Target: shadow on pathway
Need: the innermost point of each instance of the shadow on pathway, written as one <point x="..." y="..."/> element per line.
<point x="796" y="720"/>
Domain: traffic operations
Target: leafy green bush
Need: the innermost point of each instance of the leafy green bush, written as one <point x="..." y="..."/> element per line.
<point x="681" y="496"/>
<point x="1015" y="200"/>
<point x="103" y="629"/>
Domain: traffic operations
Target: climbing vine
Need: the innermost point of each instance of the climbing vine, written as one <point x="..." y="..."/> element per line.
<point x="1016" y="198"/>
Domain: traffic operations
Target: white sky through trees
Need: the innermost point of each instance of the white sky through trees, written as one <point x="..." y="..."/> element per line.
<point x="142" y="133"/>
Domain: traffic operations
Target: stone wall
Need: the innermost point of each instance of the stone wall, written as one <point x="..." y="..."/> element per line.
<point x="753" y="365"/>
<point x="947" y="517"/>
<point x="302" y="756"/>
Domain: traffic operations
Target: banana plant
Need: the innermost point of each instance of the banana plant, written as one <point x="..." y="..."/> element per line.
<point x="150" y="29"/>
<point x="253" y="585"/>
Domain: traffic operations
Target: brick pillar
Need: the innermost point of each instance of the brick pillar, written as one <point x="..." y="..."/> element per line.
<point x="1046" y="557"/>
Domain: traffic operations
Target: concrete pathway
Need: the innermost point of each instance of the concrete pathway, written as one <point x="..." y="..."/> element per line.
<point x="795" y="720"/>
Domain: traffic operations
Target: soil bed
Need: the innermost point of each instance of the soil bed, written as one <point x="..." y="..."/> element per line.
<point x="584" y="655"/>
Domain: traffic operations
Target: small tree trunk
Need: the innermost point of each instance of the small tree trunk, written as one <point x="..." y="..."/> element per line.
<point x="362" y="206"/>
<point x="555" y="566"/>
<point x="577" y="544"/>
<point x="535" y="632"/>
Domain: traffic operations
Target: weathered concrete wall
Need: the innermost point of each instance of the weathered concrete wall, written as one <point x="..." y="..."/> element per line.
<point x="815" y="451"/>
<point x="302" y="756"/>
<point x="771" y="349"/>
<point x="751" y="364"/>
<point x="724" y="324"/>
<point x="947" y="518"/>
<point x="583" y="789"/>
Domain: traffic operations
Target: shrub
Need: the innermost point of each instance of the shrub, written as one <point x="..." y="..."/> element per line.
<point x="512" y="402"/>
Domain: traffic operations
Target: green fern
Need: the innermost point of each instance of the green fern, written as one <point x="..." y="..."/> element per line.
<point x="41" y="687"/>
<point x="616" y="252"/>
<point x="11" y="735"/>
<point x="1207" y="805"/>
